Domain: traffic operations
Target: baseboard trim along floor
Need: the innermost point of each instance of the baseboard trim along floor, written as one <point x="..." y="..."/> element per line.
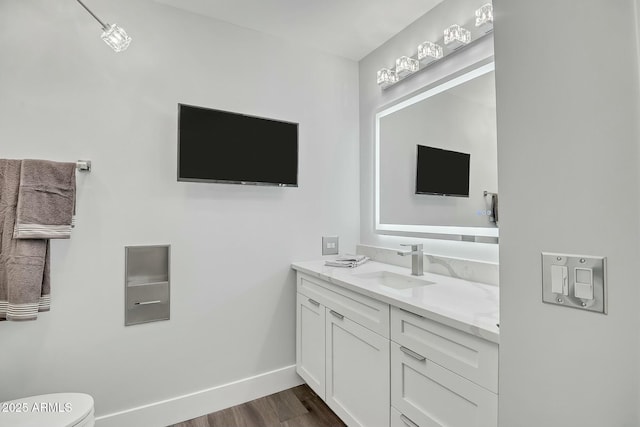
<point x="192" y="405"/>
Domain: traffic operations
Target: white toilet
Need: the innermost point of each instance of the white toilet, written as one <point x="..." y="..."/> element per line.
<point x="50" y="410"/>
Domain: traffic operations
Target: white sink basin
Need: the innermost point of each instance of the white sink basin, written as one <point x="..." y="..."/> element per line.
<point x="394" y="280"/>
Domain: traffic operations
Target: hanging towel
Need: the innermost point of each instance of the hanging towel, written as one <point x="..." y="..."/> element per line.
<point x="46" y="200"/>
<point x="24" y="264"/>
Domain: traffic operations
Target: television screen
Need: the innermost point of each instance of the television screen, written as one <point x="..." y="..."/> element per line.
<point x="221" y="146"/>
<point x="442" y="172"/>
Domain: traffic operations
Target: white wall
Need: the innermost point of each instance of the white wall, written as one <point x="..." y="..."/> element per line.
<point x="66" y="96"/>
<point x="373" y="99"/>
<point x="567" y="96"/>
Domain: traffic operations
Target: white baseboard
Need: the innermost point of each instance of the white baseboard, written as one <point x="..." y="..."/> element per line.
<point x="192" y="405"/>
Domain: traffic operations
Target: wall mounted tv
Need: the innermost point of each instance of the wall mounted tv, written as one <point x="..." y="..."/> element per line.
<point x="225" y="147"/>
<point x="442" y="172"/>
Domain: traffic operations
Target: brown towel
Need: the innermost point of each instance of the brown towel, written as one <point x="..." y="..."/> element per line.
<point x="24" y="272"/>
<point x="46" y="200"/>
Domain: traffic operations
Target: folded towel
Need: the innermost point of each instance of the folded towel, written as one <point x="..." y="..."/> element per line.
<point x="347" y="261"/>
<point x="24" y="264"/>
<point x="46" y="200"/>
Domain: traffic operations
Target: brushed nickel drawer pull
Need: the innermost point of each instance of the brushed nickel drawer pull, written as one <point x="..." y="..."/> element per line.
<point x="413" y="354"/>
<point x="314" y="302"/>
<point x="412" y="313"/>
<point x="407" y="421"/>
<point x="147" y="302"/>
<point x="338" y="315"/>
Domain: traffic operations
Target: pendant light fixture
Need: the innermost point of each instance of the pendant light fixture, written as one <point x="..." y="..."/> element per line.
<point x="114" y="36"/>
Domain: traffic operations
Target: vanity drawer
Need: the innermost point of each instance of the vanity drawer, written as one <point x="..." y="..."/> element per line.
<point x="368" y="312"/>
<point x="474" y="358"/>
<point x="427" y="395"/>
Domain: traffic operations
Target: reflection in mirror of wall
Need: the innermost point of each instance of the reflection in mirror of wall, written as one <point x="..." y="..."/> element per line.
<point x="457" y="116"/>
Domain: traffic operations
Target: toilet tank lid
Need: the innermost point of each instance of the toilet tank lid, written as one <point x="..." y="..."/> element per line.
<point x="52" y="410"/>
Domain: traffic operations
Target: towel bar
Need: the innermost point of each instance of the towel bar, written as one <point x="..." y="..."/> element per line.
<point x="83" y="165"/>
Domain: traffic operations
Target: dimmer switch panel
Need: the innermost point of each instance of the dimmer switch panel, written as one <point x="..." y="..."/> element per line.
<point x="574" y="281"/>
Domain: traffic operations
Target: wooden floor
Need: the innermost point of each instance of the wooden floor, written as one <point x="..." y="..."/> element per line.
<point x="296" y="407"/>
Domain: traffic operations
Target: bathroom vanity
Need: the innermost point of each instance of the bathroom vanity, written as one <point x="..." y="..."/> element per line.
<point x="385" y="348"/>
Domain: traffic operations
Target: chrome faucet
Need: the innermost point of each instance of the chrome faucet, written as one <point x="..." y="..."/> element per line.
<point x="417" y="258"/>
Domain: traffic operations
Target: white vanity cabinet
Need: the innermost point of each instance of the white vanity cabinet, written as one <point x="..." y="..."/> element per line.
<point x="441" y="376"/>
<point x="352" y="373"/>
<point x="375" y="364"/>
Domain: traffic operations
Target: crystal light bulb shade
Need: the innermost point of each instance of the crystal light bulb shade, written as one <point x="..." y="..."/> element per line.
<point x="429" y="52"/>
<point x="116" y="37"/>
<point x="456" y="36"/>
<point x="387" y="77"/>
<point x="484" y="15"/>
<point x="406" y="65"/>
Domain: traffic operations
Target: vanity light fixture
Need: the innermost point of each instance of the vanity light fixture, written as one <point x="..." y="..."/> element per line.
<point x="454" y="39"/>
<point x="429" y="52"/>
<point x="484" y="17"/>
<point x="387" y="77"/>
<point x="406" y="66"/>
<point x="456" y="36"/>
<point x="116" y="37"/>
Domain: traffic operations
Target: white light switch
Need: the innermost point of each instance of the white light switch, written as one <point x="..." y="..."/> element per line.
<point x="583" y="286"/>
<point x="559" y="280"/>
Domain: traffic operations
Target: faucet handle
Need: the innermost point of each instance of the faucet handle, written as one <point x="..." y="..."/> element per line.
<point x="414" y="246"/>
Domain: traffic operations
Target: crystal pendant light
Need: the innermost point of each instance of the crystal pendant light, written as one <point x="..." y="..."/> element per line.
<point x="484" y="17"/>
<point x="456" y="36"/>
<point x="387" y="77"/>
<point x="429" y="52"/>
<point x="406" y="66"/>
<point x="116" y="37"/>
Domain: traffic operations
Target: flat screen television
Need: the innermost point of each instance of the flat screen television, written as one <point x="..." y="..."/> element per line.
<point x="442" y="172"/>
<point x="225" y="147"/>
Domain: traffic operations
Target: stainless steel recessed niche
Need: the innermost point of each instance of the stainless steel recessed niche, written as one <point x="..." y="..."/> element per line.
<point x="146" y="284"/>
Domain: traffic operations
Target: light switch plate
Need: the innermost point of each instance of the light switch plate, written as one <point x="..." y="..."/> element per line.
<point x="596" y="264"/>
<point x="330" y="245"/>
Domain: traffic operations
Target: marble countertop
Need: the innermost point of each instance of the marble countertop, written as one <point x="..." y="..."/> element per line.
<point x="468" y="306"/>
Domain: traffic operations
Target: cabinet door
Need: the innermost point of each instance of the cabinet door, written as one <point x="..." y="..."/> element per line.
<point x="357" y="359"/>
<point x="310" y="343"/>
<point x="431" y="396"/>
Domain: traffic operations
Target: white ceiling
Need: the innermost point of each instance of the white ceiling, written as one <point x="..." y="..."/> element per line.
<point x="348" y="28"/>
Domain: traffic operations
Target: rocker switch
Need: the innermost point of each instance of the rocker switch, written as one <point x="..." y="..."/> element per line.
<point x="559" y="280"/>
<point x="583" y="283"/>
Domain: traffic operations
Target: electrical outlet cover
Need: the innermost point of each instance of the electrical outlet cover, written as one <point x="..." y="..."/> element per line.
<point x="330" y="245"/>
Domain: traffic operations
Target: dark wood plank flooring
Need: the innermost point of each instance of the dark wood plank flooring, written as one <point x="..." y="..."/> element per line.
<point x="295" y="407"/>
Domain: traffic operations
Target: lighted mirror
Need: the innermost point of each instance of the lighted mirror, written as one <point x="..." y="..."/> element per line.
<point x="435" y="157"/>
